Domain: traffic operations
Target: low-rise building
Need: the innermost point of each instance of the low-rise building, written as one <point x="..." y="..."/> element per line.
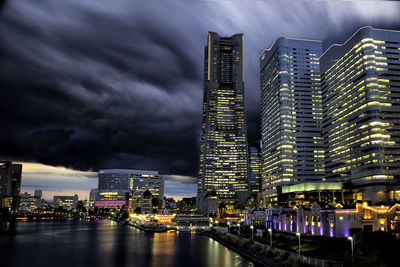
<point x="29" y="202"/>
<point x="321" y="219"/>
<point x="109" y="198"/>
<point x="66" y="202"/>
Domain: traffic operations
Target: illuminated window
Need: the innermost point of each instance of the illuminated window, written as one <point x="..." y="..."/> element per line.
<point x="367" y="214"/>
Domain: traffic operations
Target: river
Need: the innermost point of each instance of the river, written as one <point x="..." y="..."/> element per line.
<point x="107" y="244"/>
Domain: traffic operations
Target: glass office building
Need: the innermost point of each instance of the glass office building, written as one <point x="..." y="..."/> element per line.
<point x="254" y="167"/>
<point x="223" y="151"/>
<point x="360" y="83"/>
<point x="291" y="116"/>
<point x="118" y="187"/>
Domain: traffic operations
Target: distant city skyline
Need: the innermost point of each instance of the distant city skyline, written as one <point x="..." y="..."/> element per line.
<point x="133" y="73"/>
<point x="62" y="181"/>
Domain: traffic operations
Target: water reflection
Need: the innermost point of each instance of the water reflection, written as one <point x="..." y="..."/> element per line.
<point x="107" y="244"/>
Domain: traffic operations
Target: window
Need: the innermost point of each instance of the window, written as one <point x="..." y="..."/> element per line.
<point x="367" y="214"/>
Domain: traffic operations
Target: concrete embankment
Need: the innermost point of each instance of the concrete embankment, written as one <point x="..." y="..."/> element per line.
<point x="256" y="259"/>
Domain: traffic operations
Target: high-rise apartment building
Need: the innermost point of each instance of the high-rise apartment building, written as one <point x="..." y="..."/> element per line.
<point x="360" y="83"/>
<point x="291" y="116"/>
<point x="223" y="152"/>
<point x="10" y="184"/>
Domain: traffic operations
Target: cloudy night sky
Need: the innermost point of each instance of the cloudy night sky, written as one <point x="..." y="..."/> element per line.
<point x="89" y="85"/>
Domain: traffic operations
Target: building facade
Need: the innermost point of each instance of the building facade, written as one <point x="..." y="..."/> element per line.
<point x="29" y="202"/>
<point x="65" y="202"/>
<point x="319" y="219"/>
<point x="140" y="181"/>
<point x="114" y="179"/>
<point x="254" y="168"/>
<point x="119" y="187"/>
<point x="360" y="83"/>
<point x="10" y="185"/>
<point x="223" y="147"/>
<point x="291" y="116"/>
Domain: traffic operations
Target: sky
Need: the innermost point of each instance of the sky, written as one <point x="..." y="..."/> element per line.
<point x="89" y="85"/>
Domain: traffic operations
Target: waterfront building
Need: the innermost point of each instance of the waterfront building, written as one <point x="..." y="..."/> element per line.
<point x="109" y="198"/>
<point x="140" y="181"/>
<point x="93" y="197"/>
<point x="191" y="220"/>
<point x="146" y="202"/>
<point x="307" y="193"/>
<point x="361" y="111"/>
<point x="291" y="116"/>
<point x="29" y="202"/>
<point x="223" y="145"/>
<point x="320" y="219"/>
<point x="114" y="179"/>
<point x="254" y="168"/>
<point x="119" y="187"/>
<point x="255" y="216"/>
<point x="210" y="204"/>
<point x="164" y="218"/>
<point x="65" y="202"/>
<point x="10" y="185"/>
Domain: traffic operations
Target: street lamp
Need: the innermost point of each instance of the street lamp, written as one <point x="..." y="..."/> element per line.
<point x="270" y="237"/>
<point x="352" y="244"/>
<point x="252" y="232"/>
<point x="239" y="228"/>
<point x="229" y="227"/>
<point x="298" y="234"/>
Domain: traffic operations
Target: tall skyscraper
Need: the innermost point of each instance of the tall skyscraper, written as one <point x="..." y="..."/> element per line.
<point x="223" y="151"/>
<point x="360" y="83"/>
<point x="291" y="116"/>
<point x="10" y="184"/>
<point x="254" y="168"/>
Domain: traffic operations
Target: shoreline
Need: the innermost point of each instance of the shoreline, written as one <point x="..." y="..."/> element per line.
<point x="256" y="259"/>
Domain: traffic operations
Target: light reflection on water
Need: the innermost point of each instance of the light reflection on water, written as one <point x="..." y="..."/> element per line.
<point x="108" y="244"/>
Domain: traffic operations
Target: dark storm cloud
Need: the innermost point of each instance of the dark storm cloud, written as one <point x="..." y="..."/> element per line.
<point x="118" y="84"/>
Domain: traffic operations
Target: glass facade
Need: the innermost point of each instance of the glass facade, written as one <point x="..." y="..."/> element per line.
<point x="223" y="151"/>
<point x="152" y="181"/>
<point x="118" y="187"/>
<point x="291" y="116"/>
<point x="254" y="168"/>
<point x="360" y="83"/>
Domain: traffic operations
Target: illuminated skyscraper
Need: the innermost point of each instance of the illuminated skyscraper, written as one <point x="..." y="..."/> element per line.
<point x="291" y="116"/>
<point x="10" y="185"/>
<point x="223" y="151"/>
<point x="360" y="83"/>
<point x="254" y="167"/>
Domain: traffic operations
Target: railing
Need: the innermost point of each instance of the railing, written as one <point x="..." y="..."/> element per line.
<point x="302" y="259"/>
<point x="305" y="259"/>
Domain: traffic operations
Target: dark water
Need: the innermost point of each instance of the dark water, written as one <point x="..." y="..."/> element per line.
<point x="107" y="244"/>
